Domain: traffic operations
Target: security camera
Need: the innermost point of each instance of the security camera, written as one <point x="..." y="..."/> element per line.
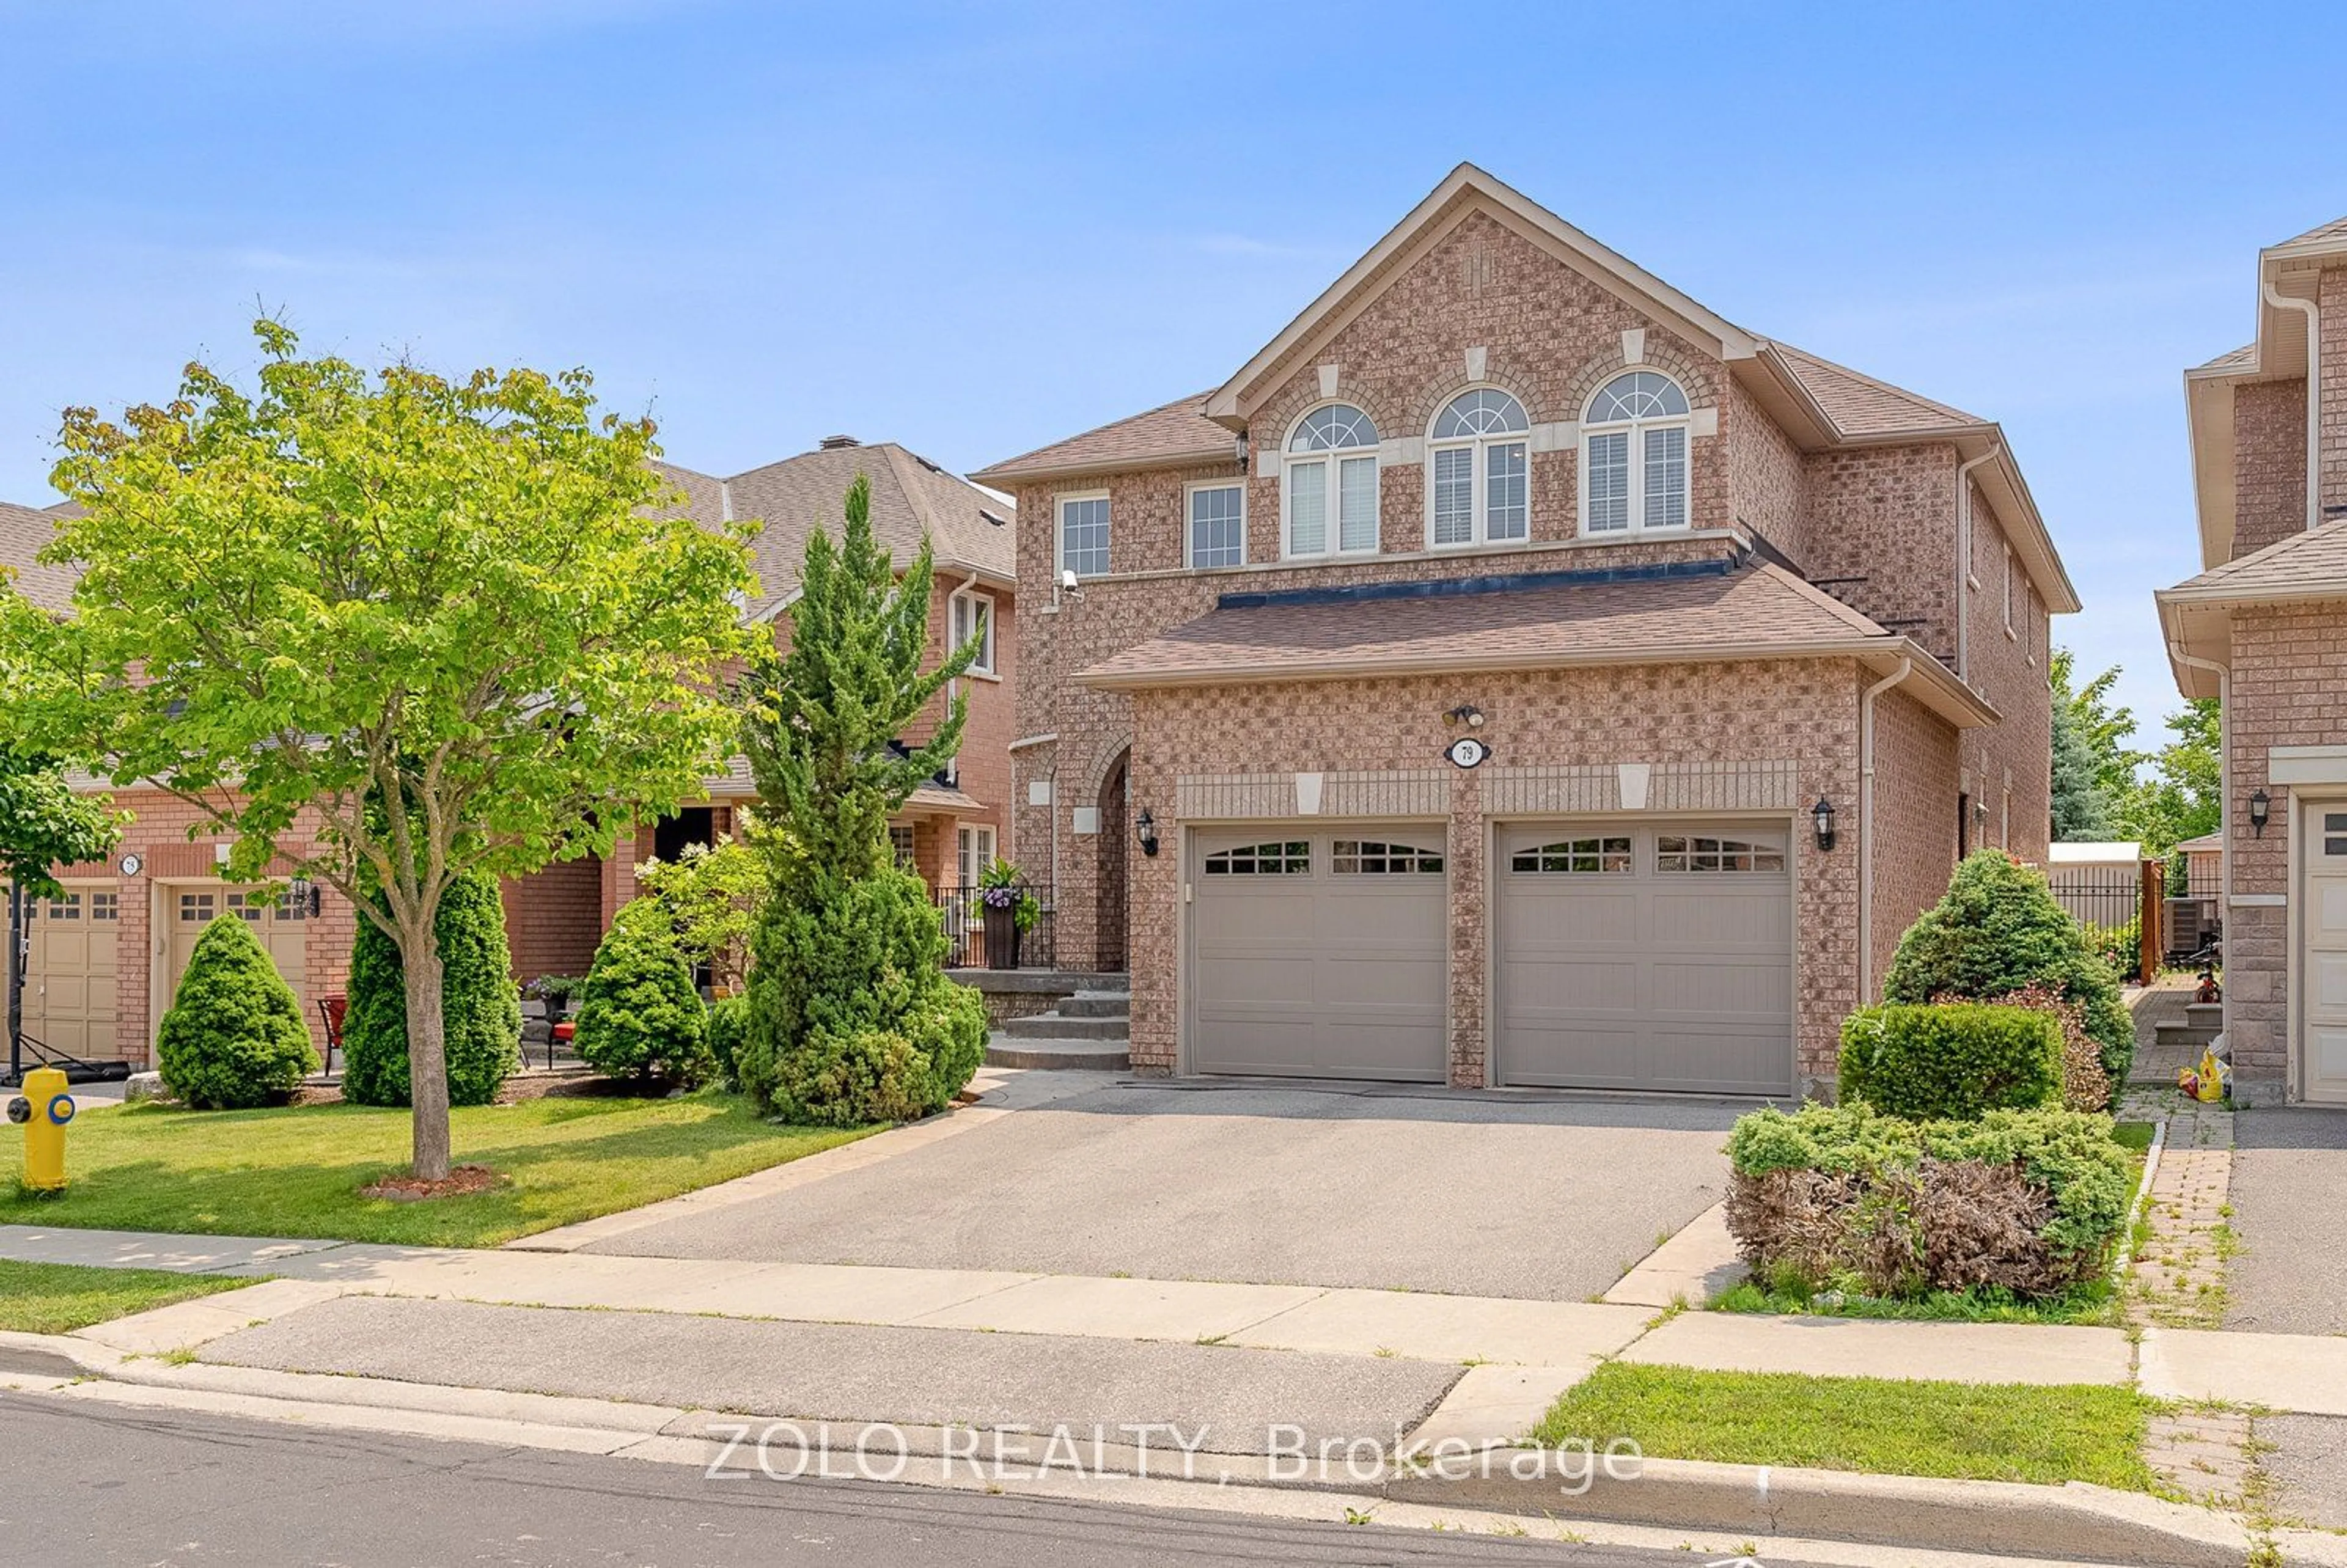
<point x="1068" y="580"/>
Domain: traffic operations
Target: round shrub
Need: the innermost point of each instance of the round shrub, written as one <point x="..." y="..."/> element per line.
<point x="480" y="1011"/>
<point x="1950" y="1059"/>
<point x="234" y="1037"/>
<point x="1998" y="929"/>
<point x="638" y="1015"/>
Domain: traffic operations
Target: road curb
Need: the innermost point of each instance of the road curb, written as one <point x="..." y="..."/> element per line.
<point x="2074" y="1521"/>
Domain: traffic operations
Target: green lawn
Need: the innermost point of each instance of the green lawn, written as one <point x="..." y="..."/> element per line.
<point x="2093" y="1302"/>
<point x="297" y="1173"/>
<point x="58" y="1298"/>
<point x="1959" y="1430"/>
<point x="2133" y="1135"/>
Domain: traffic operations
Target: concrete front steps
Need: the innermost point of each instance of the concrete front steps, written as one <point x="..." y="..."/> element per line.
<point x="1089" y="1029"/>
<point x="2199" y="1027"/>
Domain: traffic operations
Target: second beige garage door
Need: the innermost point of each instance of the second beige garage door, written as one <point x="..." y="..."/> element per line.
<point x="69" y="971"/>
<point x="1318" y="954"/>
<point x="1645" y="957"/>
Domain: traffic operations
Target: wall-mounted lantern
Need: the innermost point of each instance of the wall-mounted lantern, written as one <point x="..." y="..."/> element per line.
<point x="1822" y="815"/>
<point x="1144" y="827"/>
<point x="304" y="894"/>
<point x="2260" y="811"/>
<point x="1466" y="714"/>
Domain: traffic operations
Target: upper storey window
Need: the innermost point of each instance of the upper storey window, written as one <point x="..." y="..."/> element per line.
<point x="1633" y="455"/>
<point x="1332" y="481"/>
<point x="1084" y="535"/>
<point x="1479" y="470"/>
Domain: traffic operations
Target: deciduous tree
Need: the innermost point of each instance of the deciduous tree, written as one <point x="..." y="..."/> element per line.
<point x="387" y="628"/>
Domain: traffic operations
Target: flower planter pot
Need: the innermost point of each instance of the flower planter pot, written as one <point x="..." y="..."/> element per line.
<point x="1002" y="937"/>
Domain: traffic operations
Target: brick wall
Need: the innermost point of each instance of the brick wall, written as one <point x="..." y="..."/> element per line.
<point x="1882" y="528"/>
<point x="1801" y="710"/>
<point x="1768" y="480"/>
<point x="554" y="918"/>
<point x="2008" y="770"/>
<point x="1914" y="845"/>
<point x="2332" y="293"/>
<point x="2289" y="689"/>
<point x="2269" y="462"/>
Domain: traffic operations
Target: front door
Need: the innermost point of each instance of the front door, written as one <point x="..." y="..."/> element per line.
<point x="2322" y="949"/>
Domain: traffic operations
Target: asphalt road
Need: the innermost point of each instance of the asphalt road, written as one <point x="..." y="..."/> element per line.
<point x="1472" y="1195"/>
<point x="97" y="1487"/>
<point x="2290" y="1165"/>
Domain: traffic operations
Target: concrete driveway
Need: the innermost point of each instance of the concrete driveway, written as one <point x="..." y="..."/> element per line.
<point x="1469" y="1193"/>
<point x="2290" y="1212"/>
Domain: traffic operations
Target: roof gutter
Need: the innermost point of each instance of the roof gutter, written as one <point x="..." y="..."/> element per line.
<point x="1866" y="826"/>
<point x="2313" y="313"/>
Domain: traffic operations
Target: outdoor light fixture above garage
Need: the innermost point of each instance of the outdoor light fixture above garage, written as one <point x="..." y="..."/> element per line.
<point x="2260" y="811"/>
<point x="1144" y="827"/>
<point x="1822" y="814"/>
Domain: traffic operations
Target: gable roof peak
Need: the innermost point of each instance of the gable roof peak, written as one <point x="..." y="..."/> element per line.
<point x="1467" y="188"/>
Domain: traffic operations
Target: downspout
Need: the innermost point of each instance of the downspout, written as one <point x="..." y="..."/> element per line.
<point x="1866" y="825"/>
<point x="2313" y="313"/>
<point x="2224" y="807"/>
<point x="1964" y="558"/>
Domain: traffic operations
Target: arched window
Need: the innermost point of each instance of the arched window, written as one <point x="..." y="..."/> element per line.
<point x="1332" y="481"/>
<point x="1479" y="470"/>
<point x="1633" y="455"/>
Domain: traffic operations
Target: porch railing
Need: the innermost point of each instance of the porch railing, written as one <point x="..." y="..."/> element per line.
<point x="964" y="913"/>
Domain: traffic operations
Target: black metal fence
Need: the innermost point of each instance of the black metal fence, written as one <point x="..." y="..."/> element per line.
<point x="2107" y="901"/>
<point x="971" y="944"/>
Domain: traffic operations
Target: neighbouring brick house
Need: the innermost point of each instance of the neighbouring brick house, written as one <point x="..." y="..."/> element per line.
<point x="2264" y="629"/>
<point x="1682" y="584"/>
<point x="103" y="961"/>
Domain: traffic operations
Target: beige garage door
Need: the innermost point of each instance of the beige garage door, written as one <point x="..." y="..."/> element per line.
<point x="1318" y="954"/>
<point x="70" y="994"/>
<point x="1645" y="957"/>
<point x="282" y="927"/>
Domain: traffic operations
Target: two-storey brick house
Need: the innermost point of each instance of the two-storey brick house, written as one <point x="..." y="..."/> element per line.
<point x="104" y="960"/>
<point x="1747" y="649"/>
<point x="2264" y="629"/>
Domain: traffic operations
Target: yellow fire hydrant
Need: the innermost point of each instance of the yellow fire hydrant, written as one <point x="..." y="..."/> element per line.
<point x="43" y="1110"/>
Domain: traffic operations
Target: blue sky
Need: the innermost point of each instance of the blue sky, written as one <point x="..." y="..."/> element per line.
<point x="974" y="229"/>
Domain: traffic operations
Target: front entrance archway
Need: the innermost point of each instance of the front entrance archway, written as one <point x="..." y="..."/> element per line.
<point x="1109" y="910"/>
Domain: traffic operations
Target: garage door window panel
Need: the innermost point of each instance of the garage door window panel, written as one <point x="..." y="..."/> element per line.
<point x="1291" y="858"/>
<point x="1677" y="854"/>
<point x="1372" y="858"/>
<point x="1574" y="856"/>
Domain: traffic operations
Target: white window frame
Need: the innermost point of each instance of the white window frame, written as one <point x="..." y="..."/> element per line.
<point x="1059" y="505"/>
<point x="1332" y="496"/>
<point x="1635" y="430"/>
<point x="970" y="861"/>
<point x="1479" y="502"/>
<point x="1190" y="522"/>
<point x="981" y="604"/>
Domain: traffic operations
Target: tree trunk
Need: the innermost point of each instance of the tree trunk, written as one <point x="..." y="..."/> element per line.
<point x="428" y="1054"/>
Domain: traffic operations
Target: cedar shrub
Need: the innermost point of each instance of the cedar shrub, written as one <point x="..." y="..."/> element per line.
<point x="480" y="1008"/>
<point x="234" y="1037"/>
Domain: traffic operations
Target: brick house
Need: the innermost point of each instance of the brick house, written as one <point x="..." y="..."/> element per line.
<point x="1677" y="586"/>
<point x="104" y="960"/>
<point x="2264" y="629"/>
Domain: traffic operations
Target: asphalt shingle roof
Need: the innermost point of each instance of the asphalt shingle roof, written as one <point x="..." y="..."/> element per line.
<point x="1175" y="430"/>
<point x="25" y="532"/>
<point x="1754" y="607"/>
<point x="1858" y="405"/>
<point x="2315" y="559"/>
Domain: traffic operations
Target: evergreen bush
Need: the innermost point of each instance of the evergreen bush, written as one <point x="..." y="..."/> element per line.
<point x="234" y="1037"/>
<point x="2026" y="1201"/>
<point x="1998" y="929"/>
<point x="480" y="1009"/>
<point x="638" y="1015"/>
<point x="1950" y="1059"/>
<point x="729" y="1029"/>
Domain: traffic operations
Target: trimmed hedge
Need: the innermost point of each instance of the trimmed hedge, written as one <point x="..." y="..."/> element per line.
<point x="2030" y="1202"/>
<point x="1950" y="1059"/>
<point x="480" y="1010"/>
<point x="638" y="1015"/>
<point x="729" y="1030"/>
<point x="234" y="1037"/>
<point x="1997" y="930"/>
